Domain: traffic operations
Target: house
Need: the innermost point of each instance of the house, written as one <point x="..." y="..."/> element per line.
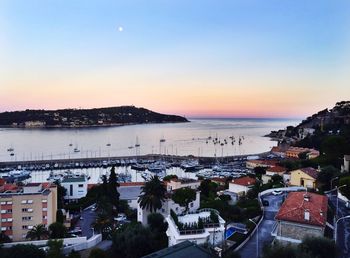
<point x="293" y="152"/>
<point x="187" y="228"/>
<point x="305" y="177"/>
<point x="276" y="170"/>
<point x="130" y="192"/>
<point x="174" y="183"/>
<point x="241" y="185"/>
<point x="219" y="181"/>
<point x="184" y="249"/>
<point x="302" y="214"/>
<point x="168" y="204"/>
<point x="76" y="187"/>
<point x="278" y="151"/>
<point x="23" y="207"/>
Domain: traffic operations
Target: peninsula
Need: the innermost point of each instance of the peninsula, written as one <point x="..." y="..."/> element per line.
<point x="96" y="117"/>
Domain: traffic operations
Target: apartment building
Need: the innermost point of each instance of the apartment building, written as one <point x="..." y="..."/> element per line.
<point x="23" y="207"/>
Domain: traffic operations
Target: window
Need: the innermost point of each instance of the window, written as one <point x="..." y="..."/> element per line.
<point x="27" y="218"/>
<point x="44" y="209"/>
<point x="44" y="201"/>
<point x="3" y="220"/>
<point x="24" y="210"/>
<point x="6" y="211"/>
<point x="24" y="227"/>
<point x="30" y="227"/>
<point x="24" y="201"/>
<point x="3" y="228"/>
<point x="9" y="219"/>
<point x="3" y="211"/>
<point x="9" y="203"/>
<point x="80" y="186"/>
<point x="3" y="203"/>
<point x="191" y="204"/>
<point x="30" y="201"/>
<point x="44" y="217"/>
<point x="30" y="210"/>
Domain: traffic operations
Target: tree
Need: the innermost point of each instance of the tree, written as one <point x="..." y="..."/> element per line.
<point x="277" y="250"/>
<point x="61" y="193"/>
<point x="59" y="216"/>
<point x="303" y="155"/>
<point x="133" y="242"/>
<point x="74" y="254"/>
<point x="4" y="238"/>
<point x="112" y="189"/>
<point x="259" y="171"/>
<point x="57" y="230"/>
<point x="152" y="195"/>
<point x="97" y="253"/>
<point x="156" y="222"/>
<point x="208" y="189"/>
<point x="319" y="247"/>
<point x="103" y="223"/>
<point x="184" y="196"/>
<point x="38" y="232"/>
<point x="55" y="249"/>
<point x="25" y="251"/>
<point x="325" y="176"/>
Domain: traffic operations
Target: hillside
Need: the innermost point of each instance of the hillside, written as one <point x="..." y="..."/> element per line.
<point x="85" y="117"/>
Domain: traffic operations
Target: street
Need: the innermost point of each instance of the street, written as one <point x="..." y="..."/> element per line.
<point x="89" y="217"/>
<point x="343" y="235"/>
<point x="249" y="250"/>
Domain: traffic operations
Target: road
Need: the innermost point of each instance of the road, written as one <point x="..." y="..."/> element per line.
<point x="89" y="217"/>
<point x="249" y="250"/>
<point x="343" y="236"/>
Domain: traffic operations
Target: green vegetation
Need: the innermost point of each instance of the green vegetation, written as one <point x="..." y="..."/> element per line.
<point x="316" y="247"/>
<point x="97" y="253"/>
<point x="55" y="249"/>
<point x="25" y="251"/>
<point x="169" y="177"/>
<point x="87" y="117"/>
<point x="57" y="230"/>
<point x="153" y="194"/>
<point x="38" y="232"/>
<point x="184" y="196"/>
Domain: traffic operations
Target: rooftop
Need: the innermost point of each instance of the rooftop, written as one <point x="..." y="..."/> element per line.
<point x="309" y="171"/>
<point x="276" y="169"/>
<point x="129" y="192"/>
<point x="245" y="181"/>
<point x="185" y="249"/>
<point x="295" y="206"/>
<point x="74" y="179"/>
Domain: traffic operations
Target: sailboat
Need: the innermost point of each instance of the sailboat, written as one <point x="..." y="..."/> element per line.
<point x="137" y="142"/>
<point x="162" y="139"/>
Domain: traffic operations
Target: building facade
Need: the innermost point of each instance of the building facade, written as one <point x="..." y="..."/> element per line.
<point x="241" y="186"/>
<point x="22" y="208"/>
<point x="305" y="177"/>
<point x="302" y="215"/>
<point x="76" y="187"/>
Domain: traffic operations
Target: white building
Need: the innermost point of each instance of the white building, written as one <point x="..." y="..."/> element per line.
<point x="174" y="184"/>
<point x="76" y="187"/>
<point x="212" y="234"/>
<point x="345" y="167"/>
<point x="241" y="185"/>
<point x="168" y="205"/>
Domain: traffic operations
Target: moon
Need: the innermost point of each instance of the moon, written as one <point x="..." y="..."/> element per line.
<point x="120" y="28"/>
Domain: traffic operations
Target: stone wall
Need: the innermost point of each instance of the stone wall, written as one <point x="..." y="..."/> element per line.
<point x="298" y="231"/>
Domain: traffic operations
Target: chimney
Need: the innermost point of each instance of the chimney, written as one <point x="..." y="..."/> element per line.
<point x="306" y="215"/>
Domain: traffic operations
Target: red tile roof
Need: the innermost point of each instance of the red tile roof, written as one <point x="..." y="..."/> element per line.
<point x="2" y="181"/>
<point x="245" y="181"/>
<point x="294" y="207"/>
<point x="310" y="171"/>
<point x="276" y="169"/>
<point x="132" y="184"/>
<point x="219" y="180"/>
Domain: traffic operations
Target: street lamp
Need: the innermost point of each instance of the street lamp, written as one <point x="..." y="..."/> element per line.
<point x="338" y="198"/>
<point x="257" y="237"/>
<point x="336" y="226"/>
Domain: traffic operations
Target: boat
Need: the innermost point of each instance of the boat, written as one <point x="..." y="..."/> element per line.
<point x="16" y="176"/>
<point x="130" y="147"/>
<point x="76" y="150"/>
<point x="108" y="144"/>
<point x="157" y="167"/>
<point x="162" y="139"/>
<point x="137" y="142"/>
<point x="10" y="149"/>
<point x="12" y="154"/>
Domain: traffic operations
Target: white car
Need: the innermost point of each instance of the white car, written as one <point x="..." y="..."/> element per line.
<point x="120" y="217"/>
<point x="277" y="192"/>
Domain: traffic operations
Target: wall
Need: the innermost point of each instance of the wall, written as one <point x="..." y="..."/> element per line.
<point x="298" y="231"/>
<point x="297" y="175"/>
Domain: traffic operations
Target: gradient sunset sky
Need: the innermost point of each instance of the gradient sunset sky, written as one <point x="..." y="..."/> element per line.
<point x="236" y="58"/>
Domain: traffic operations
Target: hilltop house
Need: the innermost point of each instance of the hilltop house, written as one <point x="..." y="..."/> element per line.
<point x="241" y="185"/>
<point x="302" y="214"/>
<point x="76" y="187"/>
<point x="305" y="177"/>
<point x="276" y="170"/>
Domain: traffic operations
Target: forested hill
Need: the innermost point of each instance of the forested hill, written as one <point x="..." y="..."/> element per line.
<point x="85" y="117"/>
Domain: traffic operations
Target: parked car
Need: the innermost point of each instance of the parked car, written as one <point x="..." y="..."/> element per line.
<point x="277" y="192"/>
<point x="120" y="217"/>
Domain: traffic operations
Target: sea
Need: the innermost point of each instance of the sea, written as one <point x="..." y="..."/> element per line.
<point x="194" y="138"/>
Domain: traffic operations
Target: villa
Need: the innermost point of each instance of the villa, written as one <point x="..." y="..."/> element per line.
<point x="305" y="177"/>
<point x="203" y="227"/>
<point x="241" y="186"/>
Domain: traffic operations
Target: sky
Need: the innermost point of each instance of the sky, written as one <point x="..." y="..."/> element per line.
<point x="235" y="58"/>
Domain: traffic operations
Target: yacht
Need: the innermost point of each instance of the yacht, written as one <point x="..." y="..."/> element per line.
<point x="137" y="142"/>
<point x="16" y="176"/>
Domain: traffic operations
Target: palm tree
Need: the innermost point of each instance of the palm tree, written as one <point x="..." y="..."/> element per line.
<point x="38" y="232"/>
<point x="153" y="194"/>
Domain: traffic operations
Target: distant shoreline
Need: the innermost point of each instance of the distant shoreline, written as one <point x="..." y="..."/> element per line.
<point x="86" y="126"/>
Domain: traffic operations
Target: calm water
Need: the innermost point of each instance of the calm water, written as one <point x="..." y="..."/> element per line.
<point x="181" y="139"/>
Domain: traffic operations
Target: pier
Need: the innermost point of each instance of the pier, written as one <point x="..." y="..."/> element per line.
<point x="50" y="164"/>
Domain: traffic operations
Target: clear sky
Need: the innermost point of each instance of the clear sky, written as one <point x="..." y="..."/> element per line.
<point x="234" y="58"/>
